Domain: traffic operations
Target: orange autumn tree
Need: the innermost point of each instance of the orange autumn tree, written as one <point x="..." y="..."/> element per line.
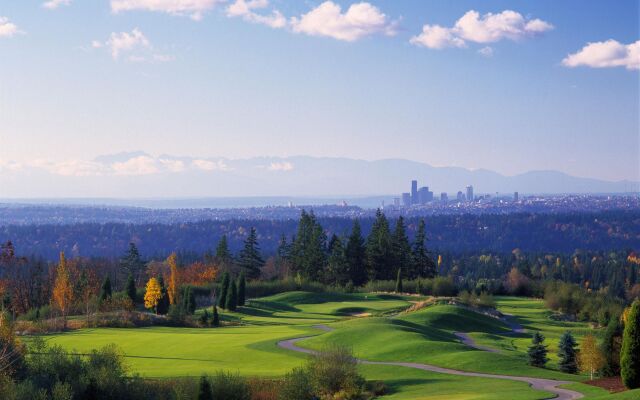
<point x="62" y="290"/>
<point x="174" y="281"/>
<point x="199" y="274"/>
<point x="152" y="295"/>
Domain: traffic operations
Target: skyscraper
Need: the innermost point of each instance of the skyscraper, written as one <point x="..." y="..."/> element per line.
<point x="443" y="197"/>
<point x="414" y="192"/>
<point x="460" y="196"/>
<point x="469" y="193"/>
<point x="515" y="197"/>
<point x="406" y="199"/>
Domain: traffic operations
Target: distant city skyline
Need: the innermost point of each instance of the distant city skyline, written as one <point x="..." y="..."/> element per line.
<point x="509" y="87"/>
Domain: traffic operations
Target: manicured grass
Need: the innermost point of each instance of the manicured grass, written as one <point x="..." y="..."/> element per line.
<point x="424" y="336"/>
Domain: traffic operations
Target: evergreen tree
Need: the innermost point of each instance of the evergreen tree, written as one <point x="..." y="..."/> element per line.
<point x="337" y="271"/>
<point x="399" y="281"/>
<point x="630" y="354"/>
<point x="567" y="354"/>
<point x="423" y="265"/>
<point x="355" y="254"/>
<point x="191" y="301"/>
<point x="284" y="249"/>
<point x="204" y="318"/>
<point x="223" y="254"/>
<point x="379" y="249"/>
<point x="610" y="347"/>
<point x="224" y="288"/>
<point x="401" y="247"/>
<point x="204" y="389"/>
<point x="130" y="289"/>
<point x="308" y="250"/>
<point x="241" y="289"/>
<point x="250" y="258"/>
<point x="537" y="352"/>
<point x="105" y="290"/>
<point x="215" y="320"/>
<point x="131" y="262"/>
<point x="163" y="304"/>
<point x="231" y="302"/>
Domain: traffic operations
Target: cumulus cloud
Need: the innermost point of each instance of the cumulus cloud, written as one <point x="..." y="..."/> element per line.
<point x="125" y="42"/>
<point x="192" y="8"/>
<point x="476" y="28"/>
<point x="7" y="28"/>
<point x="53" y="4"/>
<point x="607" y="54"/>
<point x="208" y="165"/>
<point x="246" y="10"/>
<point x="172" y="165"/>
<point x="280" y="166"/>
<point x="360" y="20"/>
<point x="141" y="165"/>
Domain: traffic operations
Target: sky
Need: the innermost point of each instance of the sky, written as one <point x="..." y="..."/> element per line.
<point x="509" y="86"/>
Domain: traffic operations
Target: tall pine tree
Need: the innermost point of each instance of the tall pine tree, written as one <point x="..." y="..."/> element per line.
<point x="163" y="304"/>
<point x="242" y="283"/>
<point x="130" y="289"/>
<point x="567" y="354"/>
<point x="337" y="272"/>
<point x="308" y="251"/>
<point x="250" y="259"/>
<point x="355" y="254"/>
<point x="380" y="249"/>
<point x="224" y="288"/>
<point x="401" y="247"/>
<point x="132" y="263"/>
<point x="610" y="347"/>
<point x="105" y="290"/>
<point x="231" y="302"/>
<point x="423" y="265"/>
<point x="223" y="254"/>
<point x="630" y="354"/>
<point x="537" y="352"/>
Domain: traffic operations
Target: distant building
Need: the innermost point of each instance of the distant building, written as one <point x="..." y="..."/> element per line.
<point x="443" y="197"/>
<point x="515" y="197"/>
<point x="424" y="195"/>
<point x="414" y="192"/>
<point x="396" y="202"/>
<point x="406" y="199"/>
<point x="470" y="193"/>
<point x="460" y="196"/>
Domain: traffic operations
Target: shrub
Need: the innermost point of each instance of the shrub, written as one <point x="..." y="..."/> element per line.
<point x="296" y="386"/>
<point x="230" y="387"/>
<point x="335" y="370"/>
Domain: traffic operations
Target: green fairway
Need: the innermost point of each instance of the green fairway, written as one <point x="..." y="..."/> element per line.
<point x="425" y="336"/>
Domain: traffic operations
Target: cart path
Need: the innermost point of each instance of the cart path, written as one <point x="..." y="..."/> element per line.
<point x="548" y="385"/>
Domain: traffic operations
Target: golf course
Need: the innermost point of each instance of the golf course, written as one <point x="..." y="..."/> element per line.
<point x="271" y="335"/>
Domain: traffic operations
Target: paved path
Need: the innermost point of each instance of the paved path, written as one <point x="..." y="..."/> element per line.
<point x="548" y="385"/>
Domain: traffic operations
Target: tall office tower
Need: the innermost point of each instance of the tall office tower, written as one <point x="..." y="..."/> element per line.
<point x="423" y="195"/>
<point x="460" y="196"/>
<point x="396" y="202"/>
<point x="469" y="193"/>
<point x="414" y="192"/>
<point x="406" y="199"/>
<point x="515" y="197"/>
<point x="443" y="197"/>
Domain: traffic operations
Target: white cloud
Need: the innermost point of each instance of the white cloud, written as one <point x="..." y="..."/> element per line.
<point x="125" y="42"/>
<point x="53" y="4"/>
<point x="607" y="54"/>
<point x="141" y="165"/>
<point x="7" y="29"/>
<point x="360" y="20"/>
<point x="172" y="165"/>
<point x="77" y="168"/>
<point x="245" y="10"/>
<point x="96" y="44"/>
<point x="280" y="166"/>
<point x="192" y="8"/>
<point x="486" y="51"/>
<point x="488" y="28"/>
<point x="207" y="165"/>
<point x="437" y="37"/>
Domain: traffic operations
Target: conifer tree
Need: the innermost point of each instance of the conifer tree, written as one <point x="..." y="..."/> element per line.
<point x="308" y="252"/>
<point x="399" y="281"/>
<point x="105" y="290"/>
<point x="630" y="354"/>
<point x="537" y="352"/>
<point x="131" y="262"/>
<point x="567" y="354"/>
<point x="610" y="347"/>
<point x="423" y="265"/>
<point x="215" y="320"/>
<point x="401" y="247"/>
<point x="379" y="249"/>
<point x="163" y="304"/>
<point x="231" y="302"/>
<point x="355" y="254"/>
<point x="204" y="389"/>
<point x="223" y="254"/>
<point x="337" y="271"/>
<point x="224" y="289"/>
<point x="130" y="289"/>
<point x="250" y="259"/>
<point x="241" y="289"/>
<point x="189" y="301"/>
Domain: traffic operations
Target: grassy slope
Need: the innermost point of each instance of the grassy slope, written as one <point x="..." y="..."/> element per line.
<point x="424" y="336"/>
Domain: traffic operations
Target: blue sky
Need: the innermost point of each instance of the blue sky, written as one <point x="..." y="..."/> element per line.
<point x="195" y="77"/>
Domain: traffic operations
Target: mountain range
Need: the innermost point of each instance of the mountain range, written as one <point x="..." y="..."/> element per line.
<point x="140" y="175"/>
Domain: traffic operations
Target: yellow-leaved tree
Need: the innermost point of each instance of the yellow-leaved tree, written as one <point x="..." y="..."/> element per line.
<point x="152" y="295"/>
<point x="62" y="290"/>
<point x="172" y="289"/>
<point x="590" y="357"/>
